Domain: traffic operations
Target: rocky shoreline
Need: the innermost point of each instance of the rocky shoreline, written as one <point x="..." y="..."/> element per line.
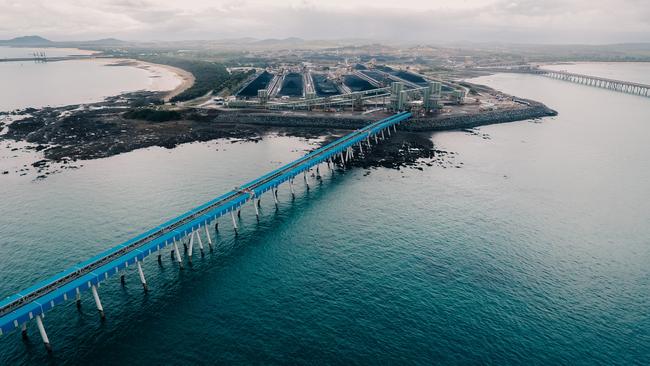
<point x="99" y="130"/>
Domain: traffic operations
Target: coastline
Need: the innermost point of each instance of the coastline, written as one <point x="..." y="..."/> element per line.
<point x="187" y="79"/>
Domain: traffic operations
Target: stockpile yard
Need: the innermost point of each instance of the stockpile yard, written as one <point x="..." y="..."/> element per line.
<point x="380" y="77"/>
<point x="261" y="82"/>
<point x="292" y="85"/>
<point x="410" y="77"/>
<point x="356" y="83"/>
<point x="324" y="87"/>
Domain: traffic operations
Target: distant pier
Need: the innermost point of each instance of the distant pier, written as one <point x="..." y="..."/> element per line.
<point x="604" y="83"/>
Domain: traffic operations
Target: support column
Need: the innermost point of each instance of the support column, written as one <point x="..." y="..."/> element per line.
<point x="178" y="255"/>
<point x="198" y="236"/>
<point x="160" y="256"/>
<point x="98" y="302"/>
<point x="23" y="331"/>
<point x="190" y="251"/>
<point x="255" y="206"/>
<point x="142" y="279"/>
<point x="293" y="194"/>
<point x="275" y="197"/>
<point x="207" y="235"/>
<point x="234" y="222"/>
<point x="41" y="329"/>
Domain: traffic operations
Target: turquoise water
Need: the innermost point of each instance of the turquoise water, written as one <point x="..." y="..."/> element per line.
<point x="535" y="251"/>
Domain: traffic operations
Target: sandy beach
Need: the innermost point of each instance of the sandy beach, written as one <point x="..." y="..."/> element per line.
<point x="186" y="77"/>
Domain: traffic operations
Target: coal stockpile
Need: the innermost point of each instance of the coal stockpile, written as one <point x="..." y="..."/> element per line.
<point x="384" y="68"/>
<point x="292" y="85"/>
<point x="410" y="77"/>
<point x="324" y="86"/>
<point x="380" y="77"/>
<point x="356" y="83"/>
<point x="261" y="82"/>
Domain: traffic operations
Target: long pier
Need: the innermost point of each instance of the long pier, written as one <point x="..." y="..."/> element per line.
<point x="16" y="311"/>
<point x="595" y="81"/>
<point x="611" y="84"/>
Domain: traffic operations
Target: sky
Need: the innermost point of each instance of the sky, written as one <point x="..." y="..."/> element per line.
<point x="434" y="21"/>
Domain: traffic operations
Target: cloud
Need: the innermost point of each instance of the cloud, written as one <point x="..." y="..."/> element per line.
<point x="560" y="21"/>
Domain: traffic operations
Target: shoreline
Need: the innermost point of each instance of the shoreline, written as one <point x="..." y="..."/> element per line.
<point x="187" y="79"/>
<point x="65" y="135"/>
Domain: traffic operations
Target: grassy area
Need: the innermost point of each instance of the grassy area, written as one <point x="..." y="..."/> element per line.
<point x="209" y="76"/>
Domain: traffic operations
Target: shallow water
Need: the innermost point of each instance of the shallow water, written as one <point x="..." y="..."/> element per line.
<point x="37" y="84"/>
<point x="535" y="251"/>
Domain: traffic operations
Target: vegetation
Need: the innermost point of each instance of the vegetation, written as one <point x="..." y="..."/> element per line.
<point x="208" y="75"/>
<point x="152" y="115"/>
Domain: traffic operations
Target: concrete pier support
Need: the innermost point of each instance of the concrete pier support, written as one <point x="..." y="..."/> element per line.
<point x="122" y="279"/>
<point x="178" y="255"/>
<point x="207" y="235"/>
<point x="293" y="193"/>
<point x="255" y="206"/>
<point x="190" y="251"/>
<point x="78" y="299"/>
<point x="234" y="222"/>
<point x="275" y="197"/>
<point x="142" y="279"/>
<point x="23" y="331"/>
<point x="41" y="330"/>
<point x="198" y="237"/>
<point x="98" y="302"/>
<point x="382" y="135"/>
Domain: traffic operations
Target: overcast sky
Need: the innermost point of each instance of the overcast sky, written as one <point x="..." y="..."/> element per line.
<point x="525" y="21"/>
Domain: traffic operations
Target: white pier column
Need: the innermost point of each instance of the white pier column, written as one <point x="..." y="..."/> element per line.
<point x="78" y="299"/>
<point x="360" y="147"/>
<point x="376" y="141"/>
<point x="191" y="248"/>
<point x="142" y="279"/>
<point x="41" y="329"/>
<point x="178" y="254"/>
<point x="382" y="134"/>
<point x="234" y="222"/>
<point x="207" y="235"/>
<point x="198" y="236"/>
<point x="293" y="194"/>
<point x="275" y="196"/>
<point x="388" y="131"/>
<point x="255" y="206"/>
<point x="98" y="302"/>
<point x="23" y="331"/>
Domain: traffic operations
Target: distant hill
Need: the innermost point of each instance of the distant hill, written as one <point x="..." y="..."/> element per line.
<point x="37" y="41"/>
<point x="27" y="41"/>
